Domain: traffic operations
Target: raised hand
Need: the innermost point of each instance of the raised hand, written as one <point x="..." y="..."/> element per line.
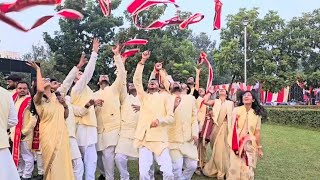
<point x="116" y="50"/>
<point x="198" y="69"/>
<point x="83" y="61"/>
<point x="62" y="101"/>
<point x="33" y="64"/>
<point x="135" y="108"/>
<point x="95" y="45"/>
<point x="145" y="56"/>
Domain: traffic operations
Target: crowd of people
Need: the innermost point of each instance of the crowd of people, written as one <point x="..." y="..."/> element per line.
<point x="72" y="131"/>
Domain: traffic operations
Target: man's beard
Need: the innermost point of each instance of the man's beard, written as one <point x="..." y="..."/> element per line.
<point x="132" y="91"/>
<point x="104" y="82"/>
<point x="11" y="87"/>
<point x="176" y="89"/>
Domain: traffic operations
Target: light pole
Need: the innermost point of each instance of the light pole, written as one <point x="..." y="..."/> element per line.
<point x="245" y="22"/>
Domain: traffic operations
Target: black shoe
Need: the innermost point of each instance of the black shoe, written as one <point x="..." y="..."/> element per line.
<point x="101" y="177"/>
<point x="25" y="178"/>
<point x="39" y="177"/>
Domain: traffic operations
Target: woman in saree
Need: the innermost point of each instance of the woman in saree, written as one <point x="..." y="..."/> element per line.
<point x="218" y="164"/>
<point x="52" y="111"/>
<point x="244" y="137"/>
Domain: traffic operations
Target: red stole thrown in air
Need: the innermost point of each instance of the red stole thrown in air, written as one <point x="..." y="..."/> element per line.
<point x="17" y="134"/>
<point x="132" y="42"/>
<point x="105" y="6"/>
<point x="138" y="6"/>
<point x="217" y="15"/>
<point x="20" y="5"/>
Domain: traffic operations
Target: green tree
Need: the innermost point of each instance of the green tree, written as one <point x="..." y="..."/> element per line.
<point x="3" y="82"/>
<point x="304" y="37"/>
<point x="268" y="59"/>
<point x="75" y="37"/>
<point x="169" y="45"/>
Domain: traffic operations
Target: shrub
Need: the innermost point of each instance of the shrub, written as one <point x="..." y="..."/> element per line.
<point x="295" y="116"/>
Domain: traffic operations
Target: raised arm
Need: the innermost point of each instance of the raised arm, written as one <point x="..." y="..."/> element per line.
<point x="88" y="71"/>
<point x="206" y="98"/>
<point x="137" y="78"/>
<point x="165" y="80"/>
<point x="65" y="86"/>
<point x="197" y="85"/>
<point x="121" y="75"/>
<point x="40" y="84"/>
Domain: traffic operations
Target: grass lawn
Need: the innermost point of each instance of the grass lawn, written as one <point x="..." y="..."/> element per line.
<point x="289" y="153"/>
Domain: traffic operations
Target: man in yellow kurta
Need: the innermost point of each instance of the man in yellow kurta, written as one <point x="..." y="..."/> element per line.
<point x="183" y="135"/>
<point x="8" y="119"/>
<point x="108" y="115"/>
<point x="26" y="160"/>
<point x="86" y="132"/>
<point x="151" y="136"/>
<point x="129" y="117"/>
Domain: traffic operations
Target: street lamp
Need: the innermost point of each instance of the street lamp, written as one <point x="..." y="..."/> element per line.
<point x="245" y="22"/>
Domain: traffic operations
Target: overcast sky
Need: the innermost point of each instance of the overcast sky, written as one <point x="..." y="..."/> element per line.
<point x="14" y="40"/>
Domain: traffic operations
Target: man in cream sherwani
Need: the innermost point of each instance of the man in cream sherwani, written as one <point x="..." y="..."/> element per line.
<point x="86" y="130"/>
<point x="108" y="115"/>
<point x="129" y="117"/>
<point x="151" y="136"/>
<point x="183" y="135"/>
<point x="8" y="119"/>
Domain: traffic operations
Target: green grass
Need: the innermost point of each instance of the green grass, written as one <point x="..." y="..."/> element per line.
<point x="289" y="153"/>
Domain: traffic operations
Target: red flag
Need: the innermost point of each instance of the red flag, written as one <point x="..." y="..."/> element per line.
<point x="235" y="141"/>
<point x="191" y="20"/>
<point x="130" y="52"/>
<point x="132" y="42"/>
<point x="217" y="16"/>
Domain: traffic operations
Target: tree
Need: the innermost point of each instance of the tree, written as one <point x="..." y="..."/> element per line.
<point x="43" y="55"/>
<point x="3" y="82"/>
<point x="169" y="45"/>
<point x="304" y="37"/>
<point x="269" y="61"/>
<point x="75" y="37"/>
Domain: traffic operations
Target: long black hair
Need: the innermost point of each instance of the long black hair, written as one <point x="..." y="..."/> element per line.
<point x="33" y="109"/>
<point x="258" y="109"/>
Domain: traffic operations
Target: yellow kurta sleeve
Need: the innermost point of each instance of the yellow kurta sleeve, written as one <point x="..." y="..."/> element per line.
<point x="123" y="92"/>
<point x="28" y="128"/>
<point x="66" y="84"/>
<point x="165" y="80"/>
<point x="137" y="81"/>
<point x="79" y="111"/>
<point x="169" y="105"/>
<point x="121" y="75"/>
<point x="195" y="124"/>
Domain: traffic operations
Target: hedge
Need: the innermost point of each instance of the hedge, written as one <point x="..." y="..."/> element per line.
<point x="295" y="107"/>
<point x="295" y="116"/>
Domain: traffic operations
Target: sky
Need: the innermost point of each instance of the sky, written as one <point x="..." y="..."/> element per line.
<point x="18" y="41"/>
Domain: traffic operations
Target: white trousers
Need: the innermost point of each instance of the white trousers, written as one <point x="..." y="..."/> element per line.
<point x="146" y="161"/>
<point x="8" y="169"/>
<point x="108" y="155"/>
<point x="189" y="166"/>
<point x="100" y="163"/>
<point x="77" y="166"/>
<point x="89" y="155"/>
<point x="26" y="161"/>
<point x="39" y="163"/>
